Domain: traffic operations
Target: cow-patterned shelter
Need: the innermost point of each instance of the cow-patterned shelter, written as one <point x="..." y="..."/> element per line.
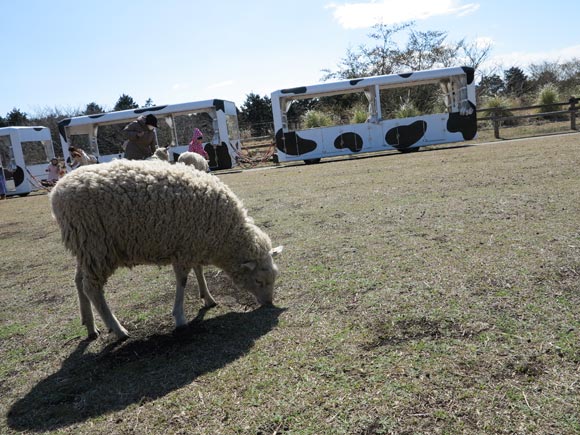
<point x="101" y="134"/>
<point x="454" y="121"/>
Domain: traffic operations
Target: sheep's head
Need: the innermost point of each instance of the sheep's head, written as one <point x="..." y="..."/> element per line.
<point x="258" y="276"/>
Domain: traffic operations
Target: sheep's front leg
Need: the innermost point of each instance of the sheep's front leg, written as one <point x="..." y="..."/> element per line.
<point x="181" y="281"/>
<point x="204" y="293"/>
<point x="93" y="289"/>
<point x="87" y="317"/>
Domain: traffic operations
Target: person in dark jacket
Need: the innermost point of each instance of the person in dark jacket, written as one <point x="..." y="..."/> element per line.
<point x="140" y="134"/>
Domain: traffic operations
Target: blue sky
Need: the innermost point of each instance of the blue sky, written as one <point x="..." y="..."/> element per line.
<point x="65" y="54"/>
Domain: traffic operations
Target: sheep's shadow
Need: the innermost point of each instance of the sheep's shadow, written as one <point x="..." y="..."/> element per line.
<point x="89" y="385"/>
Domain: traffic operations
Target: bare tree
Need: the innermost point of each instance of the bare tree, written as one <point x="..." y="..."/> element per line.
<point x="476" y="53"/>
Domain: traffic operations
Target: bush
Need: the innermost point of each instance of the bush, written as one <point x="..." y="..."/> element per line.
<point x="407" y="110"/>
<point x="314" y="118"/>
<point x="547" y="96"/>
<point x="500" y="106"/>
<point x="359" y="116"/>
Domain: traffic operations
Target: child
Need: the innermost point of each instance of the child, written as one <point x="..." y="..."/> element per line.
<point x="53" y="171"/>
<point x="196" y="145"/>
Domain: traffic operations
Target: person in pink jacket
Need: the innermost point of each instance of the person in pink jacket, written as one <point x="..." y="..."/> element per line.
<point x="53" y="170"/>
<point x="196" y="144"/>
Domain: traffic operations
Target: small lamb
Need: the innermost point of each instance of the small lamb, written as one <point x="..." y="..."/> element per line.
<point x="127" y="212"/>
<point x="194" y="159"/>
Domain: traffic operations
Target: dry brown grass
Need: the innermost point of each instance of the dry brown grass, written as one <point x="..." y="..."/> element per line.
<point x="433" y="292"/>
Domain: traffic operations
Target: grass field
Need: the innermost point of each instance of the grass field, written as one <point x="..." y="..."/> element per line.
<point x="436" y="292"/>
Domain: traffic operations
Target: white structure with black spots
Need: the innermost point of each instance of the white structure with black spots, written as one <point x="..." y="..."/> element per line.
<point x="25" y="152"/>
<point x="380" y="132"/>
<point x="101" y="134"/>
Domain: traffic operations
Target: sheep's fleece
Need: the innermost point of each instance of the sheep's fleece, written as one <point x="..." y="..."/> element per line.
<point x="194" y="159"/>
<point x="128" y="212"/>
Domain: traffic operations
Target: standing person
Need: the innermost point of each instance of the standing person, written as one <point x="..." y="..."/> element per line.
<point x="140" y="138"/>
<point x="196" y="144"/>
<point x="53" y="170"/>
<point x="78" y="157"/>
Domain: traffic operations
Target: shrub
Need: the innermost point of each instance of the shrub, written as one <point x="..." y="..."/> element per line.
<point x="407" y="110"/>
<point x="547" y="96"/>
<point x="315" y="118"/>
<point x="359" y="116"/>
<point x="500" y="106"/>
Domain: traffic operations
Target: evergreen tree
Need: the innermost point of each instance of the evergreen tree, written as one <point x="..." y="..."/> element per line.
<point x="16" y="118"/>
<point x="256" y="114"/>
<point x="125" y="102"/>
<point x="516" y="82"/>
<point x="490" y="85"/>
<point x="93" y="108"/>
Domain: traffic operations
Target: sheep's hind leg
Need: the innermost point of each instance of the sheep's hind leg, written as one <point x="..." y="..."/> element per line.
<point x="180" y="283"/>
<point x="93" y="289"/>
<point x="87" y="317"/>
<point x="204" y="293"/>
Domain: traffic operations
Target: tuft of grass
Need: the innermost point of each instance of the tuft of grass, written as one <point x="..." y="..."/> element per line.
<point x="315" y="118"/>
<point x="359" y="116"/>
<point x="407" y="110"/>
<point x="499" y="104"/>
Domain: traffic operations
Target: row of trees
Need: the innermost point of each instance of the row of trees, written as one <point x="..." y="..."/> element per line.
<point x="384" y="55"/>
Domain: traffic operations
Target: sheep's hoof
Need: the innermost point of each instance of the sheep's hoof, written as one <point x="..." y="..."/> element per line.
<point x="209" y="304"/>
<point x="121" y="334"/>
<point x="93" y="336"/>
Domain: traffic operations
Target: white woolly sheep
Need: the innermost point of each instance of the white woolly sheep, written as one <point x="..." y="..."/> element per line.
<point x="194" y="159"/>
<point x="127" y="212"/>
<point x="160" y="154"/>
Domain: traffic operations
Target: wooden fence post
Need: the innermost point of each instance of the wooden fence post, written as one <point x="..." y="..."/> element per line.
<point x="573" y="110"/>
<point x="495" y="124"/>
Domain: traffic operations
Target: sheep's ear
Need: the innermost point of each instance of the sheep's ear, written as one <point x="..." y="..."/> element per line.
<point x="276" y="251"/>
<point x="249" y="265"/>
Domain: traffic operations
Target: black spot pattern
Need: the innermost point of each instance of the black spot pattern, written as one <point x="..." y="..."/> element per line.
<point x="466" y="124"/>
<point x="149" y="109"/>
<point x="291" y="143"/>
<point x="350" y="140"/>
<point x="299" y="90"/>
<point x="404" y="136"/>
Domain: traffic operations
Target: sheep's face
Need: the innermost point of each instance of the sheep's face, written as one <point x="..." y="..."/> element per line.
<point x="258" y="277"/>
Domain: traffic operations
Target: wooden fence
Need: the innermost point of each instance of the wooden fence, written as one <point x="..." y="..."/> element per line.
<point x="497" y="118"/>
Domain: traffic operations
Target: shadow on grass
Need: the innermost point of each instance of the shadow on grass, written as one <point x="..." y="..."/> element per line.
<point x="136" y="371"/>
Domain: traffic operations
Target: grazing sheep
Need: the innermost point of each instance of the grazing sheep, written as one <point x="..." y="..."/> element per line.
<point x="129" y="212"/>
<point x="194" y="159"/>
<point x="160" y="154"/>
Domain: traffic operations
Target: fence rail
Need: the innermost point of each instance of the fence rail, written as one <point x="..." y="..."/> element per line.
<point x="496" y="118"/>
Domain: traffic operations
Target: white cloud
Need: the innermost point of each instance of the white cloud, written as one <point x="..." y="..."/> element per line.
<point x="181" y="87"/>
<point x="523" y="59"/>
<point x="367" y="14"/>
<point x="484" y="41"/>
<point x="223" y="84"/>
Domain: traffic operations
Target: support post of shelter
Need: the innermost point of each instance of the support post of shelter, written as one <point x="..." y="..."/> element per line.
<point x="573" y="110"/>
